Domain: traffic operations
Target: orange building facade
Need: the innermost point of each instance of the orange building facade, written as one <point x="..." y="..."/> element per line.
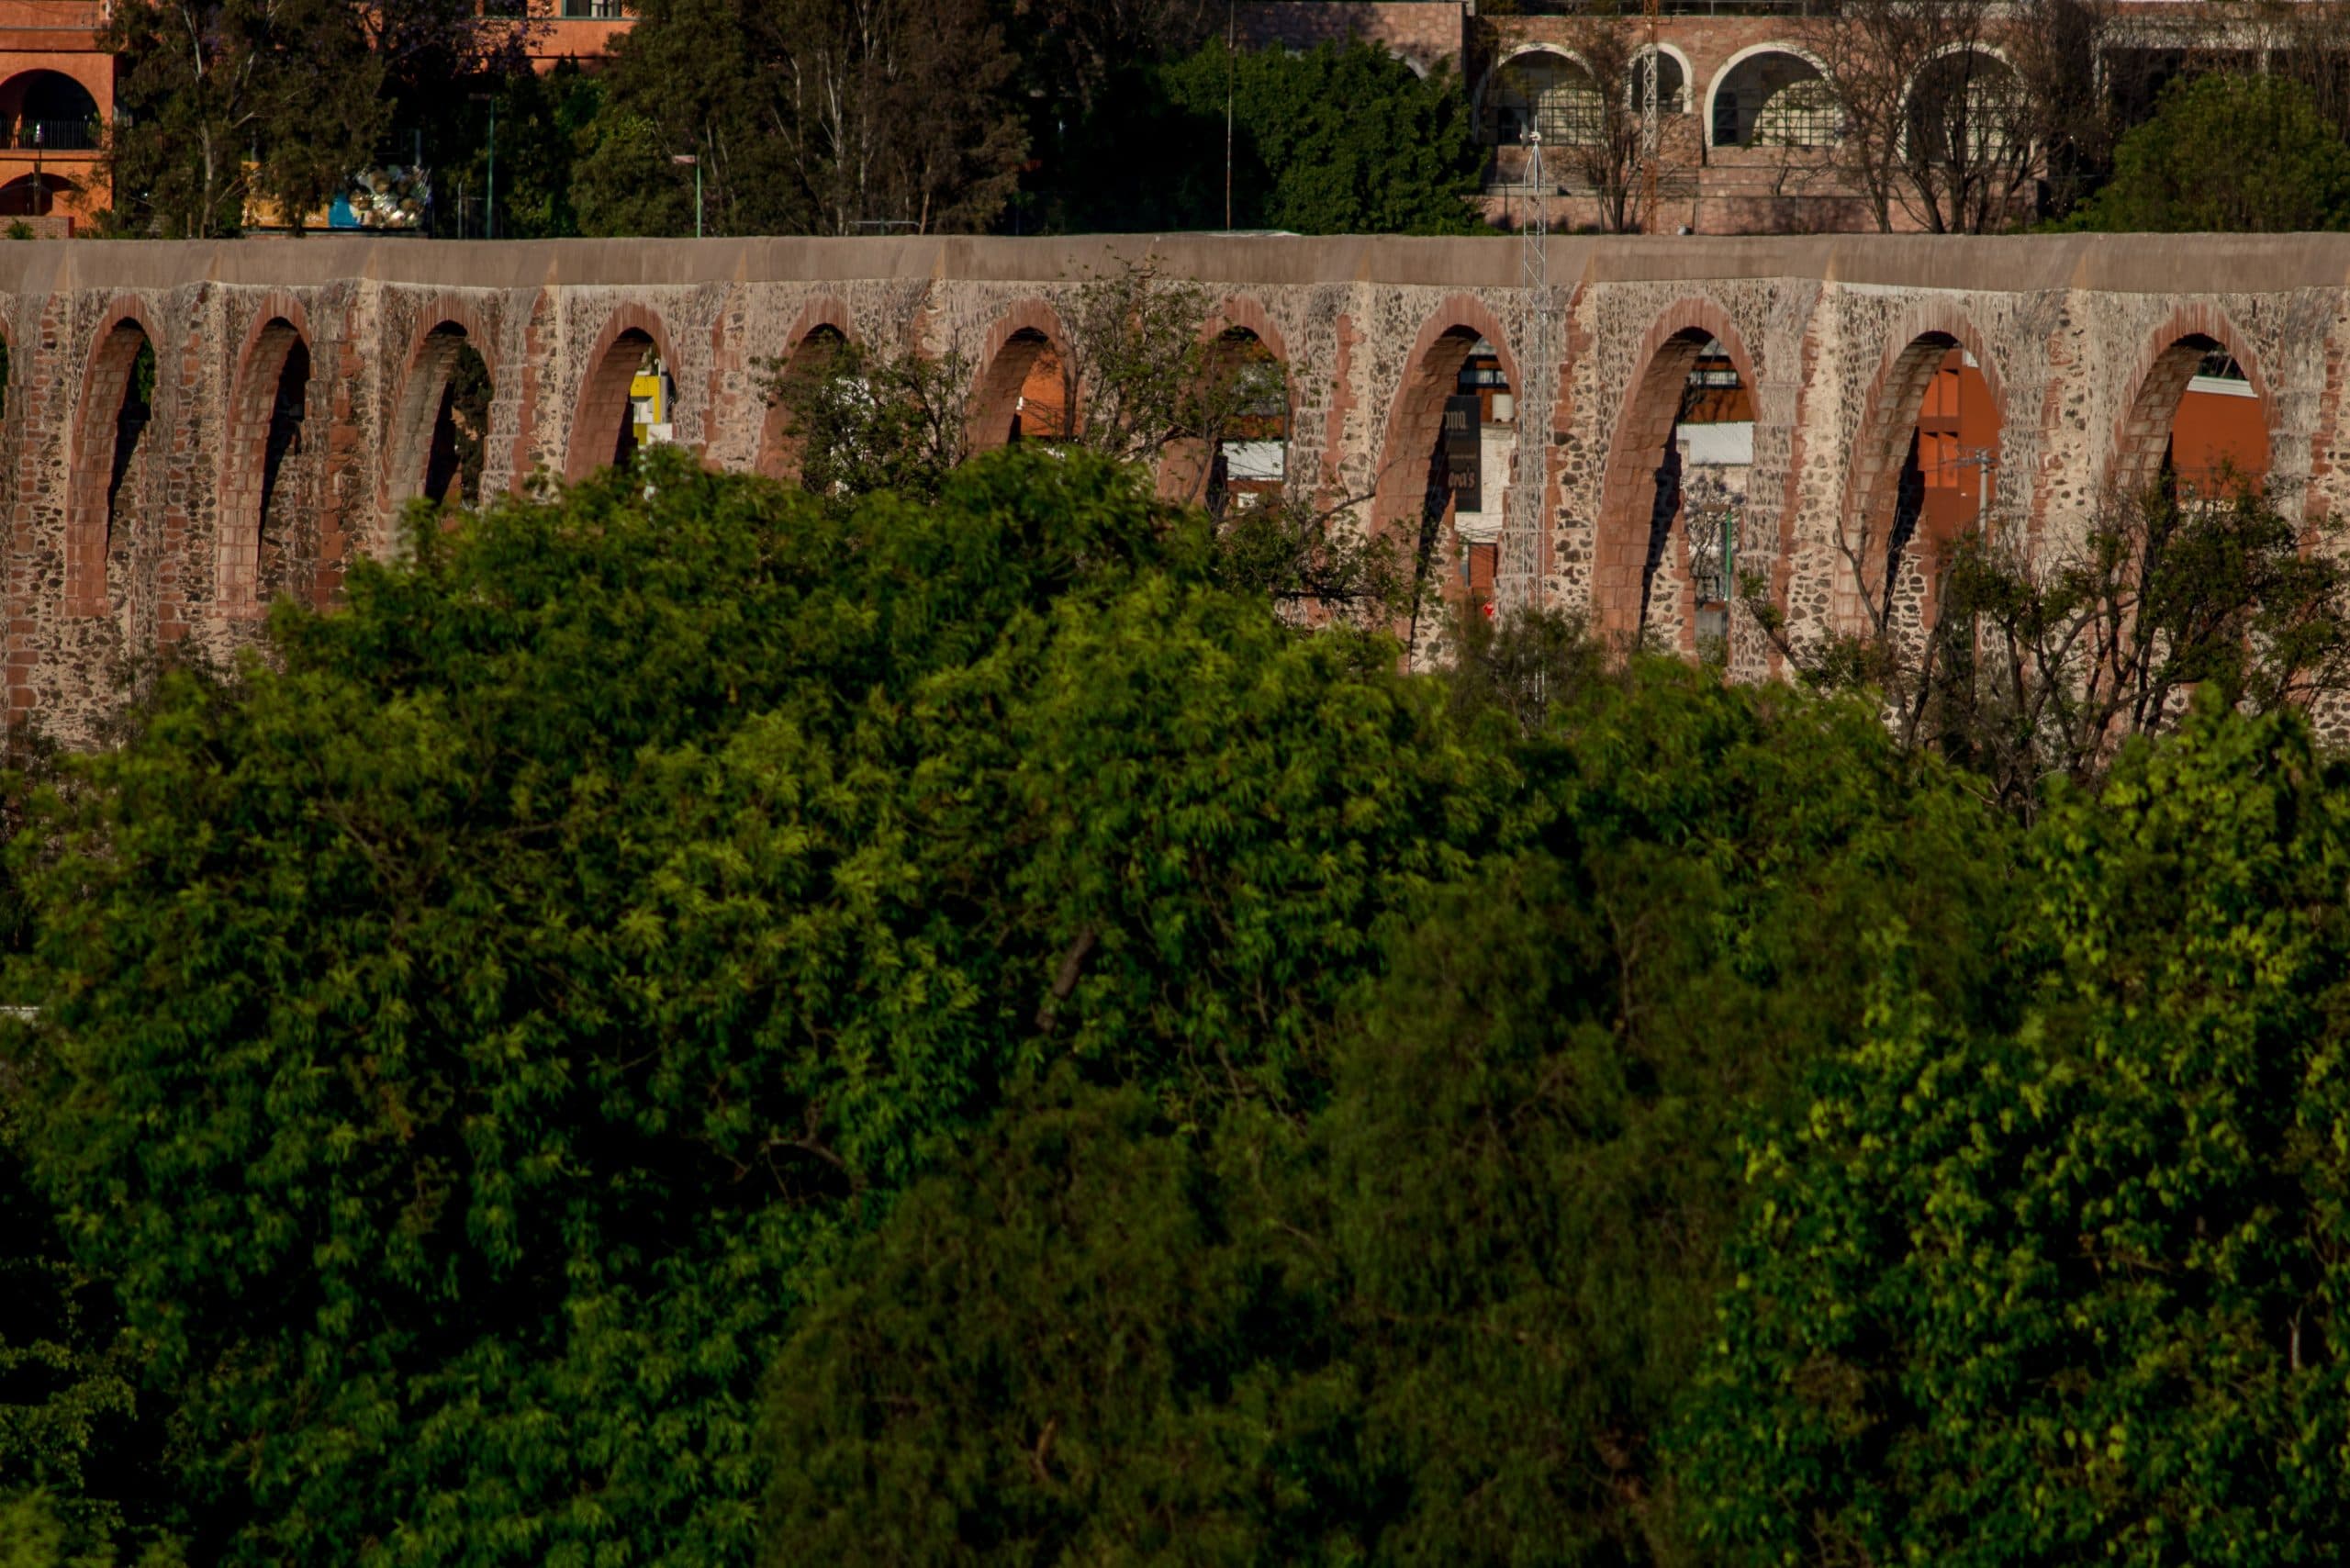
<point x="57" y="96"/>
<point x="56" y="99"/>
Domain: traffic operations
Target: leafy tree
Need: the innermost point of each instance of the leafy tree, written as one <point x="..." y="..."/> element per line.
<point x="863" y="418"/>
<point x="813" y="116"/>
<point x="624" y="181"/>
<point x="579" y="931"/>
<point x="692" y="78"/>
<point x="2070" y="1292"/>
<point x="2233" y="153"/>
<point x="1145" y="389"/>
<point x="2037" y="665"/>
<point x="1352" y="140"/>
<point x="72" y="1442"/>
<point x="222" y="100"/>
<point x="549" y="161"/>
<point x="1084" y="1343"/>
<point x="1440" y="1317"/>
<point x="1341" y="140"/>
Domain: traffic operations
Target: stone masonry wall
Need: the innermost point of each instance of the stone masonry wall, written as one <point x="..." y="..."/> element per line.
<point x="2080" y="338"/>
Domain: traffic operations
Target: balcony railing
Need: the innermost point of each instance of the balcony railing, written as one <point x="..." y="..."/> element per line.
<point x="59" y="135"/>
<point x="594" y="11"/>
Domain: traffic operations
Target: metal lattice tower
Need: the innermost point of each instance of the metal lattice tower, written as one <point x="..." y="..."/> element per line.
<point x="1538" y="370"/>
<point x="1652" y="124"/>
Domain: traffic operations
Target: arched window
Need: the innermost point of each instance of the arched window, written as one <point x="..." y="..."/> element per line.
<point x="1774" y="99"/>
<point x="1247" y="405"/>
<point x="1544" y="91"/>
<point x="50" y="110"/>
<point x="1671" y="86"/>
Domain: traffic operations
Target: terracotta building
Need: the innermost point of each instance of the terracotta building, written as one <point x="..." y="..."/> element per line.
<point x="57" y="96"/>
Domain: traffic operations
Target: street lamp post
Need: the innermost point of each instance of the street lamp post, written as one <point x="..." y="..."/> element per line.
<point x="696" y="161"/>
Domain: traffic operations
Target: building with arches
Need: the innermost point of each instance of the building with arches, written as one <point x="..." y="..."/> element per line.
<point x="56" y="98"/>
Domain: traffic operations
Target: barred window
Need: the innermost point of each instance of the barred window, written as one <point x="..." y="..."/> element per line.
<point x="1546" y="92"/>
<point x="1776" y="99"/>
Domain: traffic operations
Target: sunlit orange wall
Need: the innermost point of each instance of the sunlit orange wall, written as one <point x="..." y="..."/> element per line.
<point x="2214" y="432"/>
<point x="1957" y="421"/>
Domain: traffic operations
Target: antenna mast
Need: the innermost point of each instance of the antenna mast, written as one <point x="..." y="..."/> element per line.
<point x="1537" y="366"/>
<point x="1651" y="137"/>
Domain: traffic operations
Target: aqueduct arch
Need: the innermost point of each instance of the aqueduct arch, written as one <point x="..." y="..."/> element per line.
<point x="603" y="432"/>
<point x="1250" y="399"/>
<point x="822" y="331"/>
<point x="1641" y="494"/>
<point x="109" y="445"/>
<point x="433" y="449"/>
<point x="2142" y="442"/>
<point x="1412" y="501"/>
<point x="253" y="549"/>
<point x="1024" y="389"/>
<point x="1925" y="465"/>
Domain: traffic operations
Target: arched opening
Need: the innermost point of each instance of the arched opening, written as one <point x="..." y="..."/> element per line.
<point x="34" y="195"/>
<point x="819" y="357"/>
<point x="1246" y="419"/>
<point x="2220" y="431"/>
<point x="1926" y="479"/>
<point x="2197" y="425"/>
<point x="1444" y="484"/>
<point x="1773" y="98"/>
<point x="627" y="401"/>
<point x="266" y="525"/>
<point x="1545" y="91"/>
<point x="110" y="439"/>
<point x="1672" y="85"/>
<point x="459" y="431"/>
<point x="1680" y="465"/>
<point x="443" y="430"/>
<point x="1024" y="392"/>
<point x="50" y="110"/>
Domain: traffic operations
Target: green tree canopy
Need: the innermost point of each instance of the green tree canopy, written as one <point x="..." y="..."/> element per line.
<point x="2238" y="154"/>
<point x="583" y="926"/>
<point x="1342" y="139"/>
<point x="1440" y="1311"/>
<point x="2071" y="1291"/>
<point x="222" y="100"/>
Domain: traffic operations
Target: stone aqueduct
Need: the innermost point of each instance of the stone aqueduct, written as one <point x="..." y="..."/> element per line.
<point x="119" y="548"/>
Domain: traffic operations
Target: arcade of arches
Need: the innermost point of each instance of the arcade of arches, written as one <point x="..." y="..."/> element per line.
<point x="1825" y="415"/>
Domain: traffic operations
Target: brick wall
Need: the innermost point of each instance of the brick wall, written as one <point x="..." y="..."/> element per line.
<point x="1424" y="32"/>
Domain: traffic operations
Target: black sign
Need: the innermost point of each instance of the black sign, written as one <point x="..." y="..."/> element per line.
<point x="1464" y="471"/>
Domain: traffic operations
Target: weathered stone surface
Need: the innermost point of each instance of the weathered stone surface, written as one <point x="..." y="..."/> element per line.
<point x="2084" y="339"/>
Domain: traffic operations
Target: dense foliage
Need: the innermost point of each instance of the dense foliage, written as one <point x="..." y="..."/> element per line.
<point x="2241" y="154"/>
<point x="2071" y="1291"/>
<point x="698" y="1022"/>
<point x="1437" y="1311"/>
<point x="1337" y="139"/>
<point x="798" y="116"/>
<point x="580" y="929"/>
